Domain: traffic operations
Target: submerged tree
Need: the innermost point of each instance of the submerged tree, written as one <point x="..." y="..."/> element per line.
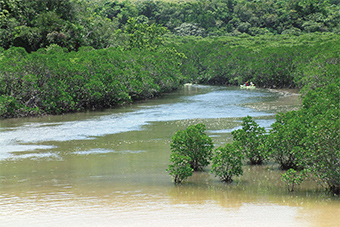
<point x="227" y="162"/>
<point x="285" y="141"/>
<point x="293" y="178"/>
<point x="322" y="141"/>
<point x="191" y="150"/>
<point x="251" y="139"/>
<point x="195" y="144"/>
<point x="180" y="167"/>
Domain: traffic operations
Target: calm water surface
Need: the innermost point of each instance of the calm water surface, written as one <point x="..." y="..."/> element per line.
<point x="107" y="168"/>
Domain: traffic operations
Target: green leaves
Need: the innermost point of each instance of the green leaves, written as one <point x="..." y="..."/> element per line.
<point x="144" y="36"/>
<point x="309" y="139"/>
<point x="322" y="140"/>
<point x="191" y="150"/>
<point x="285" y="139"/>
<point x="268" y="61"/>
<point x="250" y="140"/>
<point x="72" y="24"/>
<point x="227" y="162"/>
<point x="180" y="167"/>
<point x="58" y="82"/>
<point x="293" y="178"/>
<point x="194" y="143"/>
<point x="8" y="106"/>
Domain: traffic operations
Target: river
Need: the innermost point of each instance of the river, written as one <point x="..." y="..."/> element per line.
<point x="107" y="168"/>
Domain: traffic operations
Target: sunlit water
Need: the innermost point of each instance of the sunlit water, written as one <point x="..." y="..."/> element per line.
<point x="107" y="168"/>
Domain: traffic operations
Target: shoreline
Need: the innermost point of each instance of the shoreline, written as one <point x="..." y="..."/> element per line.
<point x="286" y="91"/>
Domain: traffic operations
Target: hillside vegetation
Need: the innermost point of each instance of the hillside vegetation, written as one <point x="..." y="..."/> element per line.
<point x="100" y="24"/>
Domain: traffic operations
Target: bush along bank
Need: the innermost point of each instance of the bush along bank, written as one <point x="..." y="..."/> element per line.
<point x="269" y="61"/>
<point x="54" y="81"/>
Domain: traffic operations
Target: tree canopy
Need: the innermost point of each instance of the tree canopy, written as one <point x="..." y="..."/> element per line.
<point x="76" y="23"/>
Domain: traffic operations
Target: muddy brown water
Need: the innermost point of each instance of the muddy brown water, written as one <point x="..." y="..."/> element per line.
<point x="107" y="168"/>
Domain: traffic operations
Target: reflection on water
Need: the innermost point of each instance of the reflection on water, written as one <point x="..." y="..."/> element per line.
<point x="107" y="168"/>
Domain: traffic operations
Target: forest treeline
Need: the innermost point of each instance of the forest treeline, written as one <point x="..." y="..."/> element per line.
<point x="54" y="81"/>
<point x="270" y="61"/>
<point x="51" y="81"/>
<point x="74" y="55"/>
<point x="101" y="23"/>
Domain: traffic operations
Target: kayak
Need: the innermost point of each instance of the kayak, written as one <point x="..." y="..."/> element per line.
<point x="247" y="87"/>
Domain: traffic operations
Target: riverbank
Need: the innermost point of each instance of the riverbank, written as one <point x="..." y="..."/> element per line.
<point x="287" y="100"/>
<point x="286" y="91"/>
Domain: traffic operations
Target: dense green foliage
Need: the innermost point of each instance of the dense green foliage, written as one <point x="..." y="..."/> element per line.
<point x="251" y="140"/>
<point x="307" y="139"/>
<point x="35" y="24"/>
<point x="293" y="178"/>
<point x="52" y="81"/>
<point x="285" y="141"/>
<point x="144" y="36"/>
<point x="180" y="167"/>
<point x="195" y="144"/>
<point x="227" y="162"/>
<point x="268" y="61"/>
<point x="76" y="23"/>
<point x="322" y="140"/>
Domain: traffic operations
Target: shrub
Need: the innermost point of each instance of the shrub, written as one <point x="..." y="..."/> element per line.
<point x="285" y="139"/>
<point x="180" y="167"/>
<point x="251" y="139"/>
<point x="195" y="144"/>
<point x="227" y="162"/>
<point x="8" y="106"/>
<point x="310" y="139"/>
<point x="322" y="141"/>
<point x="293" y="178"/>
